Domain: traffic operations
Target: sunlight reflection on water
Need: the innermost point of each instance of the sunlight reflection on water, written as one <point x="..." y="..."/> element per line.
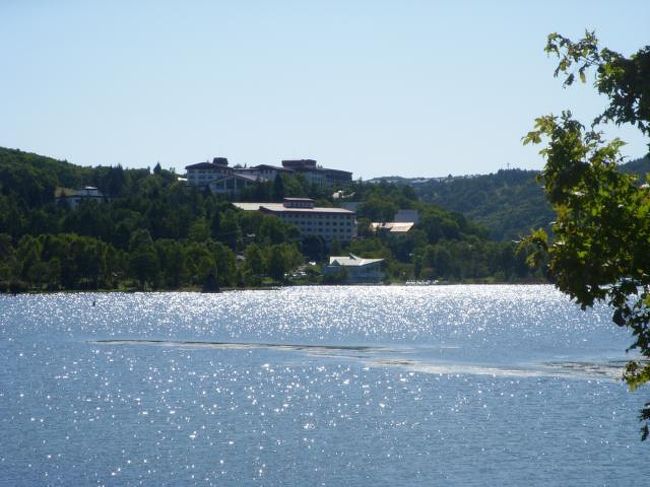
<point x="465" y="385"/>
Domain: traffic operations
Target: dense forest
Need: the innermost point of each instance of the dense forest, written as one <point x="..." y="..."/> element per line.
<point x="154" y="232"/>
<point x="509" y="203"/>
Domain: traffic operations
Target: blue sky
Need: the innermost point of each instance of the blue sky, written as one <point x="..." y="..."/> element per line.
<point x="411" y="88"/>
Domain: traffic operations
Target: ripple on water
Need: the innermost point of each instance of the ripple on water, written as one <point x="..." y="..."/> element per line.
<point x="494" y="385"/>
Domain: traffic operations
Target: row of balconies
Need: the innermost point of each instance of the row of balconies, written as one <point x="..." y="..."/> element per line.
<point x="318" y="216"/>
<point x="325" y="224"/>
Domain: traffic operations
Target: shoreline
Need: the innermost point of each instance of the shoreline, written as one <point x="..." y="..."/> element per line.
<point x="271" y="287"/>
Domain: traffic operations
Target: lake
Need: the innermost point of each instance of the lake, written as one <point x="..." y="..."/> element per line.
<point x="437" y="385"/>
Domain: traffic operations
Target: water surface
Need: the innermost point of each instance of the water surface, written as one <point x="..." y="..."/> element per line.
<point x="449" y="385"/>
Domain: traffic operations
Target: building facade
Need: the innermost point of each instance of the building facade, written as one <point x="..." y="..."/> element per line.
<point x="231" y="184"/>
<point x="203" y="173"/>
<point x="394" y="228"/>
<point x="74" y="197"/>
<point x="264" y="172"/>
<point x="315" y="174"/>
<point x="352" y="269"/>
<point x="327" y="223"/>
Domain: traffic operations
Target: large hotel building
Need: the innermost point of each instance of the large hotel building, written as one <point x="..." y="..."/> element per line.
<point x="223" y="179"/>
<point x="329" y="223"/>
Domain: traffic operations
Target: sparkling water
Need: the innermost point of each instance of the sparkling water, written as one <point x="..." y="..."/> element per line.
<point x="438" y="385"/>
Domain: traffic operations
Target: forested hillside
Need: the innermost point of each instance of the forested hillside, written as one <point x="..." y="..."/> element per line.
<point x="153" y="231"/>
<point x="508" y="203"/>
<point x="640" y="166"/>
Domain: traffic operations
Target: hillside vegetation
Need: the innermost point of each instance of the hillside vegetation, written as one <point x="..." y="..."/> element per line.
<point x="155" y="232"/>
<point x="508" y="203"/>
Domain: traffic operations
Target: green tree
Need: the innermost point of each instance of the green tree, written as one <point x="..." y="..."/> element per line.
<point x="29" y="255"/>
<point x="278" y="188"/>
<point x="335" y="247"/>
<point x="602" y="231"/>
<point x="143" y="263"/>
<point x="254" y="260"/>
<point x="143" y="260"/>
<point x="314" y="248"/>
<point x="226" y="263"/>
<point x="378" y="209"/>
<point x="283" y="258"/>
<point x="172" y="263"/>
<point x="229" y="229"/>
<point x="199" y="262"/>
<point x="8" y="262"/>
<point x="199" y="230"/>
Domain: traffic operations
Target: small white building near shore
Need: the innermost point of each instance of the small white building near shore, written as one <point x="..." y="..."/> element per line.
<point x="354" y="269"/>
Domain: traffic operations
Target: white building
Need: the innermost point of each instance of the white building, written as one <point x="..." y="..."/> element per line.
<point x="328" y="223"/>
<point x="73" y="197"/>
<point x="395" y="228"/>
<point x="231" y="184"/>
<point x="264" y="172"/>
<point x="313" y="176"/>
<point x="402" y="223"/>
<point x="317" y="175"/>
<point x="203" y="173"/>
<point x="354" y="269"/>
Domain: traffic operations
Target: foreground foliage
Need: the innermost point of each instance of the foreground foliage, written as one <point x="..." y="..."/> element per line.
<point x="600" y="249"/>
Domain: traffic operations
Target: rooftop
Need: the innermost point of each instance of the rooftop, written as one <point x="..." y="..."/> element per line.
<point x="392" y="227"/>
<point x="352" y="260"/>
<point x="299" y="163"/>
<point x="246" y="177"/>
<point x="281" y="208"/>
<point x="270" y="167"/>
<point x="202" y="165"/>
<point x="217" y="163"/>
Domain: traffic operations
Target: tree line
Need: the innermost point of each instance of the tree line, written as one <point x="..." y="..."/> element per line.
<point x="155" y="232"/>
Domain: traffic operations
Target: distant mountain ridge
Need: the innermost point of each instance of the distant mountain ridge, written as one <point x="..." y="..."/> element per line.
<point x="509" y="203"/>
<point x="639" y="166"/>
